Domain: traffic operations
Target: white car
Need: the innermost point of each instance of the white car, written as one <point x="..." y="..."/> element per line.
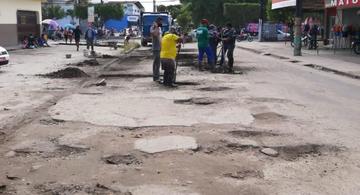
<point x="4" y="56"/>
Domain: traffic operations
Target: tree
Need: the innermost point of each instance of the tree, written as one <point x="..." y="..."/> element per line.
<point x="109" y="11"/>
<point x="239" y="14"/>
<point x="53" y="12"/>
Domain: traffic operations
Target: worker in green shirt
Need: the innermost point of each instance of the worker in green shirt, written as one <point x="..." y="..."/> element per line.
<point x="202" y="35"/>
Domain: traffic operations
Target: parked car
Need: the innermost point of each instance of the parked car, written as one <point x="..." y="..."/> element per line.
<point x="4" y="56"/>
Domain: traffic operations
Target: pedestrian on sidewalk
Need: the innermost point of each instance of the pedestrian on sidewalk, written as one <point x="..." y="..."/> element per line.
<point x="156" y="33"/>
<point x="202" y="35"/>
<point x="169" y="45"/>
<point x="228" y="39"/>
<point x="77" y="35"/>
<point x="90" y="36"/>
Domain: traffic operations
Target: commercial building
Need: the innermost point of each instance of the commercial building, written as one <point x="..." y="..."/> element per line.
<point x="342" y="13"/>
<point x="17" y="19"/>
<point x="132" y="12"/>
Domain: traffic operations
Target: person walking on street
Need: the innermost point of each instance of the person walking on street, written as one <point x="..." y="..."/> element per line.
<point x="228" y="38"/>
<point x="313" y="36"/>
<point x="156" y="33"/>
<point x="169" y="44"/>
<point x="90" y="36"/>
<point x="202" y="35"/>
<point x="77" y="35"/>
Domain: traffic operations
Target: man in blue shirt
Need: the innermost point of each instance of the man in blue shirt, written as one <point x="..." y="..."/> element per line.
<point x="90" y="36"/>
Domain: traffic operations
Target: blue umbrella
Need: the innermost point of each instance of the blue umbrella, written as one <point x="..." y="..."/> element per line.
<point x="69" y="26"/>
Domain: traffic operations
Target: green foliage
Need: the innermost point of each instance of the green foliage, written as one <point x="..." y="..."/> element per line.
<point x="240" y="14"/>
<point x="81" y="11"/>
<point x="70" y="12"/>
<point x="53" y="12"/>
<point x="174" y="10"/>
<point x="109" y="11"/>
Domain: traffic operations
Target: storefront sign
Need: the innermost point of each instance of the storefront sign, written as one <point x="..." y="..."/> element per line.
<point x="276" y="4"/>
<point x="132" y="18"/>
<point x="342" y="3"/>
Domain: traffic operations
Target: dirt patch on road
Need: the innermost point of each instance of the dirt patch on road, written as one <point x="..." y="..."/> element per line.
<point x="118" y="159"/>
<point x="59" y="189"/>
<point x="70" y="72"/>
<point x="2" y="136"/>
<point x="92" y="62"/>
<point x="292" y="153"/>
<point x="245" y="174"/>
<point x="215" y="88"/>
<point x="267" y="99"/>
<point x="197" y="101"/>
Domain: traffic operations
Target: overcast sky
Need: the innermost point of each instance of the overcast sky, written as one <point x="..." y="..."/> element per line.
<point x="148" y="4"/>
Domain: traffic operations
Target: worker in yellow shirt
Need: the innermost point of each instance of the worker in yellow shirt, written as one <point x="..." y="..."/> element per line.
<point x="169" y="44"/>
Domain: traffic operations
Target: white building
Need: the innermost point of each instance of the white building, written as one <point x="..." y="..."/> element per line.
<point x="19" y="18"/>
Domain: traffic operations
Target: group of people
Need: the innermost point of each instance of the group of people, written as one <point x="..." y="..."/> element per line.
<point x="166" y="48"/>
<point x="209" y="37"/>
<point x="32" y="42"/>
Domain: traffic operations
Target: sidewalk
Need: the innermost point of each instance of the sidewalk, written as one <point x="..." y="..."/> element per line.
<point x="343" y="61"/>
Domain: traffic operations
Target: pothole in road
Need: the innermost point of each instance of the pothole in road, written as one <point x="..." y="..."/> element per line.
<point x="267" y="99"/>
<point x="269" y="116"/>
<point x="70" y="72"/>
<point x="92" y="62"/>
<point x="51" y="121"/>
<point x="215" y="88"/>
<point x="65" y="150"/>
<point x="2" y="136"/>
<point x="292" y="153"/>
<point x="294" y="61"/>
<point x="118" y="159"/>
<point x="248" y="133"/>
<point x="197" y="101"/>
<point x="64" y="189"/>
<point x="245" y="174"/>
<point x="225" y="147"/>
<point x="187" y="83"/>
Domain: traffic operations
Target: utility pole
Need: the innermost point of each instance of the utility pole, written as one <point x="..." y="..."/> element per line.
<point x="297" y="38"/>
<point x="261" y="20"/>
<point x="154" y="3"/>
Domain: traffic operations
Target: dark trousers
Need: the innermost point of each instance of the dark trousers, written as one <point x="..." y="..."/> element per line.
<point x="313" y="42"/>
<point x="213" y="47"/>
<point x="90" y="43"/>
<point x="168" y="65"/>
<point x="156" y="65"/>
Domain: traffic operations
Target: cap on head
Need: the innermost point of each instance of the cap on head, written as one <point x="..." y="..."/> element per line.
<point x="204" y="21"/>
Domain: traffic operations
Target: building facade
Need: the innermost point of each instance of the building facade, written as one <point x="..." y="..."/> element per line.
<point x="132" y="13"/>
<point x="18" y="19"/>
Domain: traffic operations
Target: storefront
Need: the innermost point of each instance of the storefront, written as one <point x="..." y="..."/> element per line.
<point x="342" y="20"/>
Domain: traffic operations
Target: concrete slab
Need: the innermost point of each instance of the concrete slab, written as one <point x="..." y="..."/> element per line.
<point x="134" y="110"/>
<point x="165" y="143"/>
<point x="160" y="190"/>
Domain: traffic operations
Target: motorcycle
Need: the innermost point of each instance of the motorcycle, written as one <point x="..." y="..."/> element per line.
<point x="305" y="39"/>
<point x="243" y="37"/>
<point x="356" y="46"/>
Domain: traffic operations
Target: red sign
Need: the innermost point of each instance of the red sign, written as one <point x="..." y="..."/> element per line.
<point x="342" y="3"/>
